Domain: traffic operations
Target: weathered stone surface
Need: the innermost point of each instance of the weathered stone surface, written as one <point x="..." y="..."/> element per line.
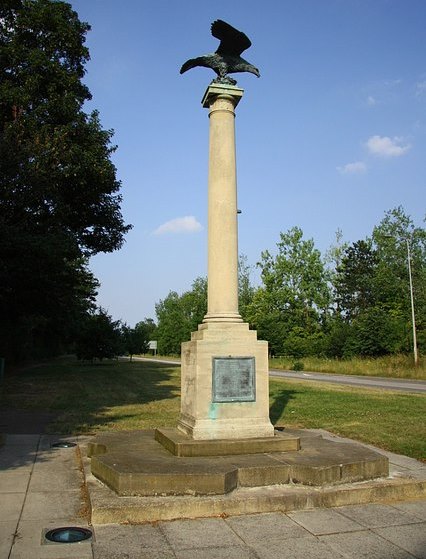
<point x="137" y="464"/>
<point x="180" y="444"/>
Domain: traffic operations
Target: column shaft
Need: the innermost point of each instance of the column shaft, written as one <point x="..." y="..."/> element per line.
<point x="222" y="209"/>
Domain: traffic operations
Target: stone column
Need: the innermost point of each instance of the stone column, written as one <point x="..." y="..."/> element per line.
<point x="221" y="101"/>
<point x="225" y="383"/>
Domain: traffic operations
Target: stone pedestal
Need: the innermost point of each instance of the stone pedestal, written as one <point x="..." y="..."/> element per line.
<point x="240" y="417"/>
<point x="225" y="383"/>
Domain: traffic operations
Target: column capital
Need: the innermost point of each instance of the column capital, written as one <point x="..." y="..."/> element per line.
<point x="216" y="90"/>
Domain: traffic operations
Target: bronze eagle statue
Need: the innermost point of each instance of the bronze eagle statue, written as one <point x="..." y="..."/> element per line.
<point x="226" y="60"/>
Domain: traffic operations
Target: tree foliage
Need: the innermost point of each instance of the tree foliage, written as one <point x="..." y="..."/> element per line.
<point x="288" y="308"/>
<point x="355" y="301"/>
<point x="99" y="337"/>
<point x="179" y="315"/>
<point x="373" y="290"/>
<point x="59" y="196"/>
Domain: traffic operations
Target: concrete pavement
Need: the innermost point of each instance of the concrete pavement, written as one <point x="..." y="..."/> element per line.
<point x="42" y="488"/>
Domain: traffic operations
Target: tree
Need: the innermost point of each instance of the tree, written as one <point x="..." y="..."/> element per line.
<point x="147" y="329"/>
<point x="372" y="289"/>
<point x="179" y="315"/>
<point x="133" y="341"/>
<point x="99" y="338"/>
<point x="354" y="281"/>
<point x="295" y="295"/>
<point x="59" y="196"/>
<point x="245" y="288"/>
<point x="396" y="237"/>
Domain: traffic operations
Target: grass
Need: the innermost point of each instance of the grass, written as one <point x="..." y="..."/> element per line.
<point x="119" y="395"/>
<point x="393" y="366"/>
<point x="389" y="420"/>
<point x="111" y="395"/>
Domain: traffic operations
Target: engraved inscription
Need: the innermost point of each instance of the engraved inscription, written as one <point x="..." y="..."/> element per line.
<point x="234" y="379"/>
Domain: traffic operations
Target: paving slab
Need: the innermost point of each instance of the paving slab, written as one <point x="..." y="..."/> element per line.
<point x="416" y="508"/>
<point x="103" y="552"/>
<point x="7" y="531"/>
<point x="49" y="477"/>
<point x="326" y="521"/>
<point x="374" y="515"/>
<point x="52" y="505"/>
<point x="266" y="528"/>
<point x="364" y="545"/>
<point x="11" y="506"/>
<point x="146" y="540"/>
<point x="28" y="440"/>
<point x="14" y="481"/>
<point x="411" y="538"/>
<point x="210" y="532"/>
<point x="222" y="552"/>
<point x="17" y="458"/>
<point x="308" y="547"/>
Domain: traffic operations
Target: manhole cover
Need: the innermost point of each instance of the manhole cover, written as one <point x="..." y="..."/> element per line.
<point x="63" y="444"/>
<point x="68" y="535"/>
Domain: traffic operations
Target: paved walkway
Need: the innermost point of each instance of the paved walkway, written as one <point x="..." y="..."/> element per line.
<point x="42" y="488"/>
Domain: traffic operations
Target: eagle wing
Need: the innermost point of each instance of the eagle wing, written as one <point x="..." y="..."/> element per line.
<point x="232" y="41"/>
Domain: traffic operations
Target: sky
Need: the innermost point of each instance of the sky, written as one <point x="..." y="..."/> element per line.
<point x="330" y="137"/>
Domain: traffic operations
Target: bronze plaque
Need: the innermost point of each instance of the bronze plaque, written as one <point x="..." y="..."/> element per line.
<point x="234" y="379"/>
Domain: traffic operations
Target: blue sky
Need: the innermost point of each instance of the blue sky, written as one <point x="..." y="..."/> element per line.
<point x="330" y="137"/>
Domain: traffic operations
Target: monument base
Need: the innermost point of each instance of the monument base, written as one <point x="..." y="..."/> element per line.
<point x="225" y="383"/>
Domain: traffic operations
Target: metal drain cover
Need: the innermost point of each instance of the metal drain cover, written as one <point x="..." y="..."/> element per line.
<point x="63" y="444"/>
<point x="68" y="534"/>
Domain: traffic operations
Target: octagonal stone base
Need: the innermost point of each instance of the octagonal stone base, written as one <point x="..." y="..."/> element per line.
<point x="134" y="463"/>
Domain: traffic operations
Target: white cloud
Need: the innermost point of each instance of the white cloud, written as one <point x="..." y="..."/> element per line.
<point x="420" y="88"/>
<point x="371" y="101"/>
<point x="384" y="146"/>
<point x="355" y="168"/>
<point x="187" y="224"/>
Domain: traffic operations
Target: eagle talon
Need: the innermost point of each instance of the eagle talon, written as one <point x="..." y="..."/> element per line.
<point x="225" y="80"/>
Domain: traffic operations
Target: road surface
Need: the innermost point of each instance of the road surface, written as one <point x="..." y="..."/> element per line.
<point x="377" y="383"/>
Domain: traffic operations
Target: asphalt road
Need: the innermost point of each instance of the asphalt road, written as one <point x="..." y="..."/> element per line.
<point x="376" y="383"/>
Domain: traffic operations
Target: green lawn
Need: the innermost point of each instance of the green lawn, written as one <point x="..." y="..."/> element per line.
<point x="119" y="395"/>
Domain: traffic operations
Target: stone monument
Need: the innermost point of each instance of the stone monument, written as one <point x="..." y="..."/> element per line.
<point x="224" y="441"/>
<point x="225" y="386"/>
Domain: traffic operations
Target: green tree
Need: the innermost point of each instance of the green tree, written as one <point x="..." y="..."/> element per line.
<point x="179" y="315"/>
<point x="99" y="338"/>
<point x="133" y="341"/>
<point x="354" y="282"/>
<point x="147" y="329"/>
<point x="395" y="238"/>
<point x="59" y="196"/>
<point x="372" y="290"/>
<point x="245" y="288"/>
<point x="295" y="295"/>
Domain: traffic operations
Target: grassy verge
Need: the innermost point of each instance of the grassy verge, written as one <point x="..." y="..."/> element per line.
<point x="119" y="395"/>
<point x="392" y="421"/>
<point x="111" y="395"/>
<point x="393" y="366"/>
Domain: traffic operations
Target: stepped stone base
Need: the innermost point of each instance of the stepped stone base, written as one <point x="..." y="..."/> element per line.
<point x="134" y="463"/>
<point x="180" y="444"/>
